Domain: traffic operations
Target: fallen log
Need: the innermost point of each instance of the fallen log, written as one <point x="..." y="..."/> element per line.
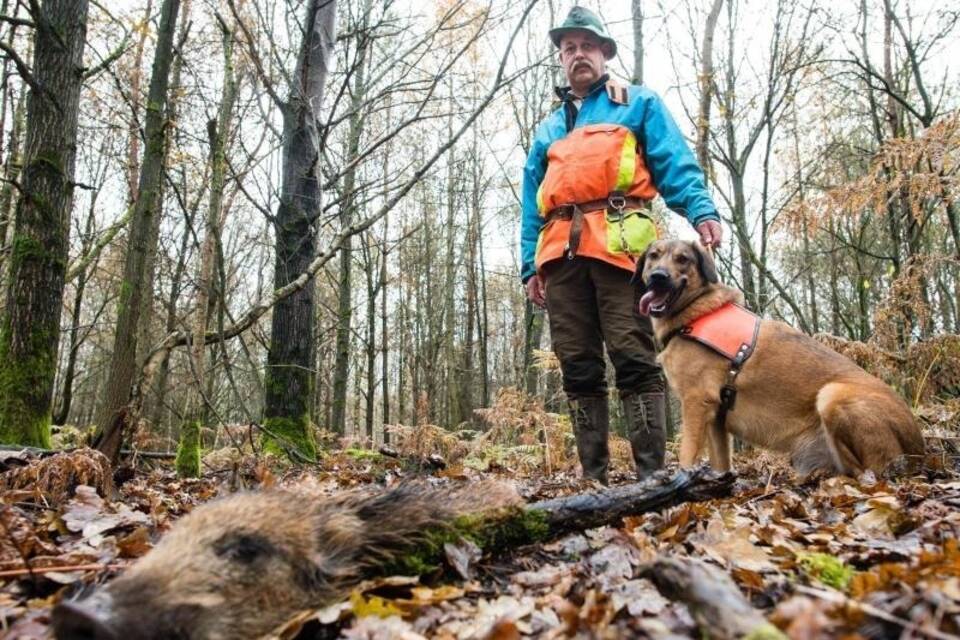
<point x="714" y="601"/>
<point x="518" y="525"/>
<point x="589" y="510"/>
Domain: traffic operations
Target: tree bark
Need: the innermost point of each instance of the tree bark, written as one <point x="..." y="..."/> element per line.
<point x="706" y="84"/>
<point x="133" y="127"/>
<point x="290" y="363"/>
<point x="637" y="11"/>
<point x="30" y="329"/>
<point x="111" y="419"/>
<point x="11" y="173"/>
<point x="66" y="396"/>
<point x="348" y="213"/>
<point x="218" y="132"/>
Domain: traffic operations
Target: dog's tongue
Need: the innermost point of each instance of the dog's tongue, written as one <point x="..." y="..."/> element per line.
<point x="645" y="301"/>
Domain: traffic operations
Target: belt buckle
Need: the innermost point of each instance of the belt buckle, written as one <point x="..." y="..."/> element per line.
<point x="617" y="202"/>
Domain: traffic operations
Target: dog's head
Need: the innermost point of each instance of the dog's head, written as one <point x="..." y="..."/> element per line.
<point x="670" y="273"/>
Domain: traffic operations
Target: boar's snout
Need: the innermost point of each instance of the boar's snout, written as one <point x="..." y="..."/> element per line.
<point x="84" y="620"/>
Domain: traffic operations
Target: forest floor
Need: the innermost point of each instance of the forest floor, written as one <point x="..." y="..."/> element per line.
<point x="836" y="557"/>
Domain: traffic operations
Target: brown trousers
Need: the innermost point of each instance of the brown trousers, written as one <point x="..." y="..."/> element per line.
<point x="591" y="303"/>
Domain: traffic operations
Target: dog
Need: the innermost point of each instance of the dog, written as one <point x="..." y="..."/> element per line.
<point x="792" y="394"/>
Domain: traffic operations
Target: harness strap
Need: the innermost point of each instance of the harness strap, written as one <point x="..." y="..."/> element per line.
<point x="731" y="331"/>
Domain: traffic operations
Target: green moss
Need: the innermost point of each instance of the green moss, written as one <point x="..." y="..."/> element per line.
<point x="766" y="632"/>
<point x="188" y="451"/>
<point x="26" y="385"/>
<point x="25" y="248"/>
<point x="364" y="454"/>
<point x="826" y="568"/>
<point x="504" y="528"/>
<point x="291" y="437"/>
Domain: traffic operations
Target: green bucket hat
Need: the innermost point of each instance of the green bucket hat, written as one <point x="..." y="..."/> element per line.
<point x="586" y="20"/>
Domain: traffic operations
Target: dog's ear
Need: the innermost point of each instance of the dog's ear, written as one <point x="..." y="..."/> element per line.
<point x="637" y="279"/>
<point x="706" y="264"/>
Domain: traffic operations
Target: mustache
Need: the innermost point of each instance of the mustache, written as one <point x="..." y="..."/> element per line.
<point x="582" y="63"/>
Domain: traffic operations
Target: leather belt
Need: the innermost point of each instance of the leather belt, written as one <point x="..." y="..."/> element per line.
<point x="574" y="212"/>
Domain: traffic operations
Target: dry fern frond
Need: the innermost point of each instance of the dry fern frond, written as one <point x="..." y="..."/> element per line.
<point x="54" y="479"/>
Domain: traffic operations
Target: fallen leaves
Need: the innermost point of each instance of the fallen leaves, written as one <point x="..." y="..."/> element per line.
<point x="88" y="514"/>
<point x="875" y="545"/>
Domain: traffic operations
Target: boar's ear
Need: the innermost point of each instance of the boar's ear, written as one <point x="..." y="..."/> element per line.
<point x="706" y="264"/>
<point x="637" y="280"/>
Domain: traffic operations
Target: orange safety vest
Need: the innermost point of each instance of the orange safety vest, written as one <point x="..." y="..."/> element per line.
<point x="586" y="166"/>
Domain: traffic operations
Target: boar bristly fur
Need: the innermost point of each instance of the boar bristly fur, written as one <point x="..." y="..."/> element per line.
<point x="241" y="566"/>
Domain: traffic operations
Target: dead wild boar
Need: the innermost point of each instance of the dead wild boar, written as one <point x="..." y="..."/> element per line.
<point x="239" y="567"/>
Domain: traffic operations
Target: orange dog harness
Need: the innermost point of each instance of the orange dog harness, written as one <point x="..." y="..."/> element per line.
<point x="732" y="332"/>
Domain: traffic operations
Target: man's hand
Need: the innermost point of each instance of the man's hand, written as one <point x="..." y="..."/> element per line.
<point x="711" y="234"/>
<point x="535" y="291"/>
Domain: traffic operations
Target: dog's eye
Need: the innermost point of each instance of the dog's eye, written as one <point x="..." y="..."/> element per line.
<point x="653" y="255"/>
<point x="681" y="259"/>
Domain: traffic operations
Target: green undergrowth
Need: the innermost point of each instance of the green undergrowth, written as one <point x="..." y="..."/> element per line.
<point x="826" y="568"/>
<point x="364" y="454"/>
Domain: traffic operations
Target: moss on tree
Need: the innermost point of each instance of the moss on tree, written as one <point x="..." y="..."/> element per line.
<point x="291" y="437"/>
<point x="188" y="451"/>
<point x="25" y="384"/>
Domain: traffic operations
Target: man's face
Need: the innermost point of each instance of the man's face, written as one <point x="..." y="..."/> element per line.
<point x="582" y="57"/>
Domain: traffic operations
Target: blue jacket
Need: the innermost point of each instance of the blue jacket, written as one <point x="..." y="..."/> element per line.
<point x="672" y="165"/>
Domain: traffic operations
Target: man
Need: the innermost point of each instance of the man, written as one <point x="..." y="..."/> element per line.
<point x="593" y="168"/>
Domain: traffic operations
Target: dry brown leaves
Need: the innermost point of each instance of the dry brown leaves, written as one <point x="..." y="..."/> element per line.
<point x="840" y="557"/>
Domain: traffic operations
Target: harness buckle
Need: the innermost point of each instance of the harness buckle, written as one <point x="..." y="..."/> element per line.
<point x="728" y="397"/>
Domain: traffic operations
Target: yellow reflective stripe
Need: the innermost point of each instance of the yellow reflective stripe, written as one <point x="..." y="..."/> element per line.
<point x="628" y="163"/>
<point x="540" y="206"/>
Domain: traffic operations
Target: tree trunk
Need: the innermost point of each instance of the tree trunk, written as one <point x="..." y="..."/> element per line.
<point x="373" y="285"/>
<point x="706" y="85"/>
<point x="66" y="396"/>
<point x="30" y="330"/>
<point x="384" y="334"/>
<point x="451" y="413"/>
<point x="341" y="368"/>
<point x="637" y="11"/>
<point x="111" y="417"/>
<point x="147" y="316"/>
<point x="11" y="173"/>
<point x="218" y="132"/>
<point x="290" y="363"/>
<point x="133" y="127"/>
<point x="533" y="332"/>
<point x="159" y="409"/>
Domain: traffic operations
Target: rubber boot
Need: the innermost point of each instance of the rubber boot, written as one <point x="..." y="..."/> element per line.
<point x="646" y="429"/>
<point x="590" y="417"/>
